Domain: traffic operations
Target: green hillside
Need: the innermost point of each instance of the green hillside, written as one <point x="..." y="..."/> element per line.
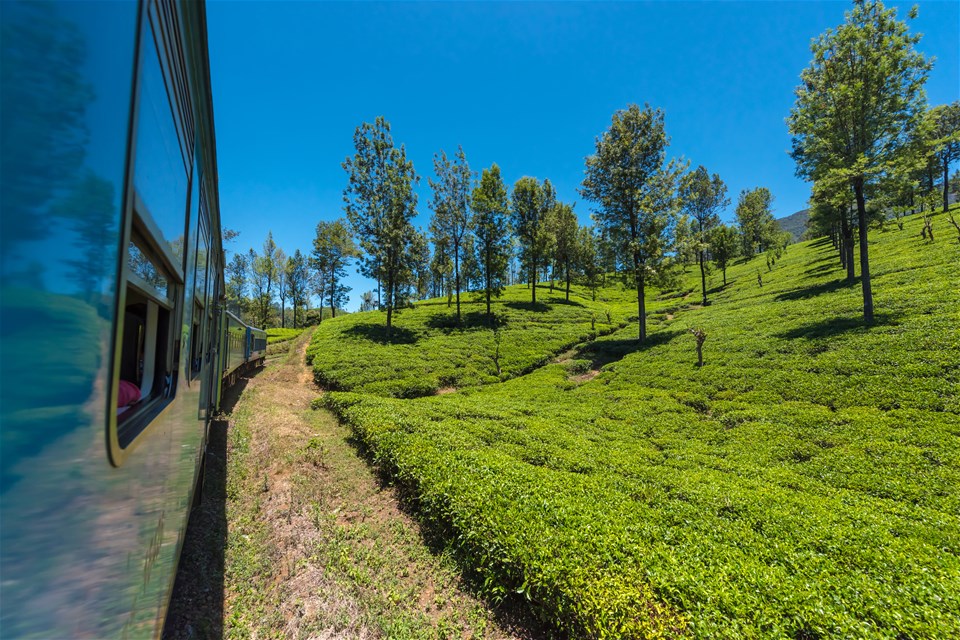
<point x="802" y="484"/>
<point x="428" y="352"/>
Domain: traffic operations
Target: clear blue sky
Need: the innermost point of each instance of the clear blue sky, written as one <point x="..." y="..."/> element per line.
<point x="526" y="85"/>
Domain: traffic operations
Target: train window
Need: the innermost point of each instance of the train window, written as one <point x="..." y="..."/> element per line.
<point x="146" y="372"/>
<point x="199" y="323"/>
<point x="161" y="170"/>
<point x="153" y="274"/>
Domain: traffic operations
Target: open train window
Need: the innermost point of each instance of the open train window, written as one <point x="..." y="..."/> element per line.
<point x="147" y="363"/>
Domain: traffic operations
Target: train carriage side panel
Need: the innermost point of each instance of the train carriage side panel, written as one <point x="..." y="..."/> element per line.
<point x="107" y="292"/>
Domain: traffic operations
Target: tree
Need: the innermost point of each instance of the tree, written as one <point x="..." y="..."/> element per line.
<point x="333" y="248"/>
<point x="280" y="260"/>
<point x="421" y="265"/>
<point x="589" y="259"/>
<point x="261" y="282"/>
<point x="754" y="217"/>
<point x="236" y="273"/>
<point x="441" y="269"/>
<point x="367" y="301"/>
<point x="703" y="197"/>
<point x="298" y="279"/>
<point x="565" y="240"/>
<point x="469" y="265"/>
<point x="490" y="225"/>
<point x="530" y="204"/>
<point x="944" y="127"/>
<point x="857" y="106"/>
<point x="229" y="236"/>
<point x="380" y="203"/>
<point x="724" y="247"/>
<point x="451" y="201"/>
<point x="833" y="208"/>
<point x="634" y="187"/>
<point x="684" y="241"/>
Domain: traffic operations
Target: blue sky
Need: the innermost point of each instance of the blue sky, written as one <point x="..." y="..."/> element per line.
<point x="526" y="85"/>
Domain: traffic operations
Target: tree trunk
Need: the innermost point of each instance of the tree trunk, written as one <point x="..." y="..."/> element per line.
<point x="568" y="280"/>
<point x="390" y="297"/>
<point x="864" y="256"/>
<point x="333" y="290"/>
<point x="456" y="277"/>
<point x="724" y="274"/>
<point x="489" y="282"/>
<point x="846" y="247"/>
<point x="703" y="276"/>
<point x="533" y="279"/>
<point x="641" y="307"/>
<point x="946" y="185"/>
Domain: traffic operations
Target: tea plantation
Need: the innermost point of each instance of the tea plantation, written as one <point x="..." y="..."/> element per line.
<point x="803" y="483"/>
<point x="428" y="352"/>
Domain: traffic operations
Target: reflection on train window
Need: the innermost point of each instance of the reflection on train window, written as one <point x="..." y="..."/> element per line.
<point x="196" y="346"/>
<point x="146" y="352"/>
<point x="146" y="270"/>
<point x="161" y="169"/>
<point x="200" y="278"/>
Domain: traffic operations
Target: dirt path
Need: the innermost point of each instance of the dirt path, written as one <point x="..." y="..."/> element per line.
<point x="315" y="547"/>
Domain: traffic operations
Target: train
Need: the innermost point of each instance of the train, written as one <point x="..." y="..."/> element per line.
<point x="115" y="342"/>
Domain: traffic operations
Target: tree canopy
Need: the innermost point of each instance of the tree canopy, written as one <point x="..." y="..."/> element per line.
<point x="634" y="188"/>
<point x="857" y="107"/>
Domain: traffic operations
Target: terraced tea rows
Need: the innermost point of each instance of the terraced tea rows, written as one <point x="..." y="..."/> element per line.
<point x="801" y="484"/>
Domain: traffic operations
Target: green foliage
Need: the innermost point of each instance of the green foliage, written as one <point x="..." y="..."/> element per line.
<point x="491" y="227"/>
<point x="724" y="246"/>
<point x="565" y="230"/>
<point x="858" y="107"/>
<point x="755" y="218"/>
<point x="451" y="216"/>
<point x="530" y="206"/>
<point x="634" y="188"/>
<point x="944" y="127"/>
<point x="802" y="483"/>
<point x="703" y="197"/>
<point x="333" y="249"/>
<point x="380" y="203"/>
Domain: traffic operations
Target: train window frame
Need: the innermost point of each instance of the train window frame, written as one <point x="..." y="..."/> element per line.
<point x="157" y="355"/>
<point x="158" y="313"/>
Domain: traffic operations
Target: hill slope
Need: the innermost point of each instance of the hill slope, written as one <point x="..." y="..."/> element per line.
<point x="801" y="484"/>
<point x="428" y="352"/>
<point x="795" y="223"/>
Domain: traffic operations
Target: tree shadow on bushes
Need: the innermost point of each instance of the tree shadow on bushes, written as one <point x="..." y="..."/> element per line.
<point x="602" y="352"/>
<point x="816" y="268"/>
<point x="471" y="320"/>
<point x="569" y="303"/>
<point x="528" y="306"/>
<point x="831" y="327"/>
<point x="378" y="333"/>
<point x="815" y="290"/>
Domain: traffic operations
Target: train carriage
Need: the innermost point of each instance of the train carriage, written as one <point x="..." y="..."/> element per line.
<point x="112" y="331"/>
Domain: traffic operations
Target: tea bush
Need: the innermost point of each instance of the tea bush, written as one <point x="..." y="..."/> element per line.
<point x="802" y="483"/>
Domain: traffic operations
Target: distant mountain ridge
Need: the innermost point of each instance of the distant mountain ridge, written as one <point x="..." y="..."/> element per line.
<point x="795" y="223"/>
